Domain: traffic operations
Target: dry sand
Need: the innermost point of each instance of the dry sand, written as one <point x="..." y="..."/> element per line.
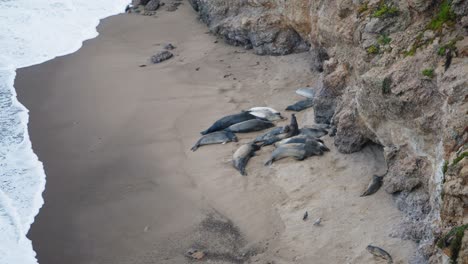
<point x="124" y="187"/>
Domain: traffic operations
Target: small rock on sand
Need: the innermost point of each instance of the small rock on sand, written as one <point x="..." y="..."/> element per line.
<point x="161" y="56"/>
<point x="195" y="254"/>
<point x="169" y="46"/>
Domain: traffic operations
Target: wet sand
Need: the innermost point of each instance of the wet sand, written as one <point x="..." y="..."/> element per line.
<point x="124" y="187"/>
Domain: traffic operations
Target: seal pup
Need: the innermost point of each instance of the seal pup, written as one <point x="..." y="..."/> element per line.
<point x="227" y="121"/>
<point x="298" y="151"/>
<point x="293" y="130"/>
<point x="267" y="113"/>
<point x="250" y="126"/>
<point x="306" y="214"/>
<point x="378" y="252"/>
<point x="242" y="156"/>
<point x="301" y="105"/>
<point x="306" y="92"/>
<point x="215" y="138"/>
<point x="373" y="186"/>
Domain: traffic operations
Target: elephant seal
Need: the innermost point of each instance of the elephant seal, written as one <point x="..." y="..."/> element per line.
<point x="373" y="186"/>
<point x="301" y="105"/>
<point x="215" y="138"/>
<point x="227" y="121"/>
<point x="319" y="126"/>
<point x="306" y="92"/>
<point x="275" y="131"/>
<point x="378" y="252"/>
<point x="242" y="156"/>
<point x="317" y="143"/>
<point x="266" y="113"/>
<point x="314" y="132"/>
<point x="264" y="108"/>
<point x="293" y="130"/>
<point x="250" y="126"/>
<point x="298" y="151"/>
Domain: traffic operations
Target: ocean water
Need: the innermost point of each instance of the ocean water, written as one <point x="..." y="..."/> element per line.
<point x="31" y="32"/>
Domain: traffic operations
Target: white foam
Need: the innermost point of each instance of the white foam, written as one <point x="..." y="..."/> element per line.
<point x="31" y="32"/>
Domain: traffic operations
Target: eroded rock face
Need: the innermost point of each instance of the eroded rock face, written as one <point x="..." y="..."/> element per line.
<point x="389" y="75"/>
<point x="254" y="25"/>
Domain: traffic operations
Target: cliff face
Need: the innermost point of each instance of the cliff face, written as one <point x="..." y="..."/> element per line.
<point x="394" y="73"/>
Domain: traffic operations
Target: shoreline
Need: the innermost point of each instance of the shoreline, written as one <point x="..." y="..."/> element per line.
<point x="121" y="181"/>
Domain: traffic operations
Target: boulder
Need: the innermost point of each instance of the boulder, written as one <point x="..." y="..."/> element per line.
<point x="161" y="56"/>
<point x="152" y="5"/>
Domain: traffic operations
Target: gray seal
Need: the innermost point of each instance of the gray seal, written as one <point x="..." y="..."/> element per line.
<point x="215" y="138"/>
<point x="373" y="186"/>
<point x="227" y="121"/>
<point x="301" y="105"/>
<point x="242" y="156"/>
<point x="250" y="126"/>
<point x="299" y="151"/>
<point x="378" y="252"/>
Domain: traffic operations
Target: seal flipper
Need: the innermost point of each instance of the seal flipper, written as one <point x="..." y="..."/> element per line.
<point x="374" y="185"/>
<point x="195" y="147"/>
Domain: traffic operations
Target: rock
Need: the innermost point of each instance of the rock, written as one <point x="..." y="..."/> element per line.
<point x="169" y="46"/>
<point x="152" y="5"/>
<point x="462" y="47"/>
<point x="136" y="3"/>
<point x="195" y="4"/>
<point x="252" y="27"/>
<point x="463" y="254"/>
<point x="161" y="56"/>
<point x="319" y="56"/>
<point x="428" y="35"/>
<point x="350" y="136"/>
<point x="324" y="107"/>
<point x="195" y="254"/>
<point x="420" y="5"/>
<point x="330" y="65"/>
<point x="171" y="8"/>
<point x="460" y="7"/>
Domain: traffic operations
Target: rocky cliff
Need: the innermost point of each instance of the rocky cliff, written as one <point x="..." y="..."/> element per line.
<point x="393" y="73"/>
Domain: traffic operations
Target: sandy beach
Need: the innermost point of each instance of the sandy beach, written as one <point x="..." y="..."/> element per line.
<point x="124" y="187"/>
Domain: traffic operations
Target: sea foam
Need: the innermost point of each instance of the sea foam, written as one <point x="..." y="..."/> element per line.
<point x="31" y="32"/>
